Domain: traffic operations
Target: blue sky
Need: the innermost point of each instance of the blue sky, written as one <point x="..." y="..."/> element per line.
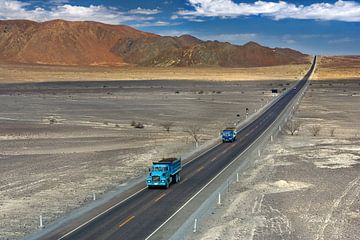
<point x="311" y="26"/>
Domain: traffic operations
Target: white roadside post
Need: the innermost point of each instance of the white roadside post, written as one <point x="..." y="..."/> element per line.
<point x="195" y="225"/>
<point x="237" y="177"/>
<point x="271" y="138"/>
<point x="41" y="225"/>
<point x="279" y="128"/>
<point x="219" y="199"/>
<point x="259" y="153"/>
<point x="94" y="196"/>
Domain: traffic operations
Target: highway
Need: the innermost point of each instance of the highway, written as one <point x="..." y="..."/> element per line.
<point x="141" y="214"/>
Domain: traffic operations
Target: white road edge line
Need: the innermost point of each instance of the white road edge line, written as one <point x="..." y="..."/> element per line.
<point x="109" y="209"/>
<point x="235" y="159"/>
<point x="92" y="219"/>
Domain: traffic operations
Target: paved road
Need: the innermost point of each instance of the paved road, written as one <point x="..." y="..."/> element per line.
<point x="137" y="217"/>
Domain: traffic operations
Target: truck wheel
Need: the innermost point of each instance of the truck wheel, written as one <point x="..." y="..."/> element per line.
<point x="178" y="177"/>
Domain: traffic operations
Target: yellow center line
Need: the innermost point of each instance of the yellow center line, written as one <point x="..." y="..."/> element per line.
<point x="200" y="168"/>
<point x="126" y="221"/>
<point x="163" y="195"/>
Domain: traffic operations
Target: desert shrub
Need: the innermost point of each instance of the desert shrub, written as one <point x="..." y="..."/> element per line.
<point x="117" y="125"/>
<point x="292" y="127"/>
<point x="194" y="133"/>
<point x="315" y="129"/>
<point x="52" y="120"/>
<point x="133" y="123"/>
<point x="200" y="91"/>
<point x="167" y="125"/>
<point x="139" y="125"/>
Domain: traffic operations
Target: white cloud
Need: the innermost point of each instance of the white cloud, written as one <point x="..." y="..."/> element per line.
<point x="143" y="11"/>
<point x="348" y="11"/>
<point x="155" y="24"/>
<point x="14" y="9"/>
<point x="341" y="40"/>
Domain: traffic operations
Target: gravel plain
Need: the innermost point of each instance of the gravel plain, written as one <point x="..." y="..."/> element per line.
<point x="62" y="142"/>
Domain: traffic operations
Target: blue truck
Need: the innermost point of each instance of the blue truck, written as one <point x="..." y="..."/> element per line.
<point x="229" y="134"/>
<point x="164" y="172"/>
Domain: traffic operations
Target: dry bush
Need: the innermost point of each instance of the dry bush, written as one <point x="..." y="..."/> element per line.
<point x="315" y="129"/>
<point x="52" y="120"/>
<point x="194" y="132"/>
<point x="133" y="123"/>
<point x="167" y="125"/>
<point x="292" y="127"/>
<point x="139" y="125"/>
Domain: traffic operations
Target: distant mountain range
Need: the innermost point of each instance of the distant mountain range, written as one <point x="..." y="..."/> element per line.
<point x="61" y="42"/>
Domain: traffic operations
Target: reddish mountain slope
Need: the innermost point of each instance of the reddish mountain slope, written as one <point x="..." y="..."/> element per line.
<point x="62" y="42"/>
<point x="91" y="43"/>
<point x="180" y="51"/>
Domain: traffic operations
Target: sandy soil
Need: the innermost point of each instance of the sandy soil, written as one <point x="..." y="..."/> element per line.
<point x="62" y="142"/>
<point x="336" y="68"/>
<point x="39" y="73"/>
<point x="304" y="186"/>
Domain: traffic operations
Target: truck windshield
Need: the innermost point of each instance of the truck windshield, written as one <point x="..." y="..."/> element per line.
<point x="227" y="133"/>
<point x="159" y="169"/>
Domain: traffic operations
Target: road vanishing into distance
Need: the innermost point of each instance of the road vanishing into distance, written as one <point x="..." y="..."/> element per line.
<point x="141" y="214"/>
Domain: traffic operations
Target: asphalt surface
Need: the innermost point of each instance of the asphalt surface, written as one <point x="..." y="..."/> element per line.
<point x="141" y="214"/>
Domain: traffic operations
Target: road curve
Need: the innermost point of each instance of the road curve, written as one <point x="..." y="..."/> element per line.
<point x="141" y="214"/>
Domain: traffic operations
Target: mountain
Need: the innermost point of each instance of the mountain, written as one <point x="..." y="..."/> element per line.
<point x="61" y="42"/>
<point x="189" y="51"/>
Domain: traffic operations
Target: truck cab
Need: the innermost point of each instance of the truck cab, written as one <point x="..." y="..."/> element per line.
<point x="229" y="134"/>
<point x="164" y="172"/>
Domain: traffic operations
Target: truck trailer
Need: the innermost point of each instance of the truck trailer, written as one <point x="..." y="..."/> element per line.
<point x="164" y="172"/>
<point x="229" y="134"/>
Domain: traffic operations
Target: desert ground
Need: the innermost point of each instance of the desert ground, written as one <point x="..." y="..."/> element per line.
<point x="11" y="73"/>
<point x="306" y="185"/>
<point x="337" y="68"/>
<point x="63" y="141"/>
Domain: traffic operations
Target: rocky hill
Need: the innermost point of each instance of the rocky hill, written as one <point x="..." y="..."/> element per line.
<point x="61" y="42"/>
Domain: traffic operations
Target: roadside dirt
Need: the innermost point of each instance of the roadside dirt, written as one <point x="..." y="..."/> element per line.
<point x="304" y="186"/>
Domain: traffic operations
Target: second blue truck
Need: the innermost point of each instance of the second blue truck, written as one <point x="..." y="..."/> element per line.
<point x="229" y="134"/>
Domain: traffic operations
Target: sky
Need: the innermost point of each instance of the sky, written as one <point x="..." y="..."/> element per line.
<point x="311" y="26"/>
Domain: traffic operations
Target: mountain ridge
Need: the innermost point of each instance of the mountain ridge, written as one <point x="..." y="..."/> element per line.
<point x="59" y="42"/>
